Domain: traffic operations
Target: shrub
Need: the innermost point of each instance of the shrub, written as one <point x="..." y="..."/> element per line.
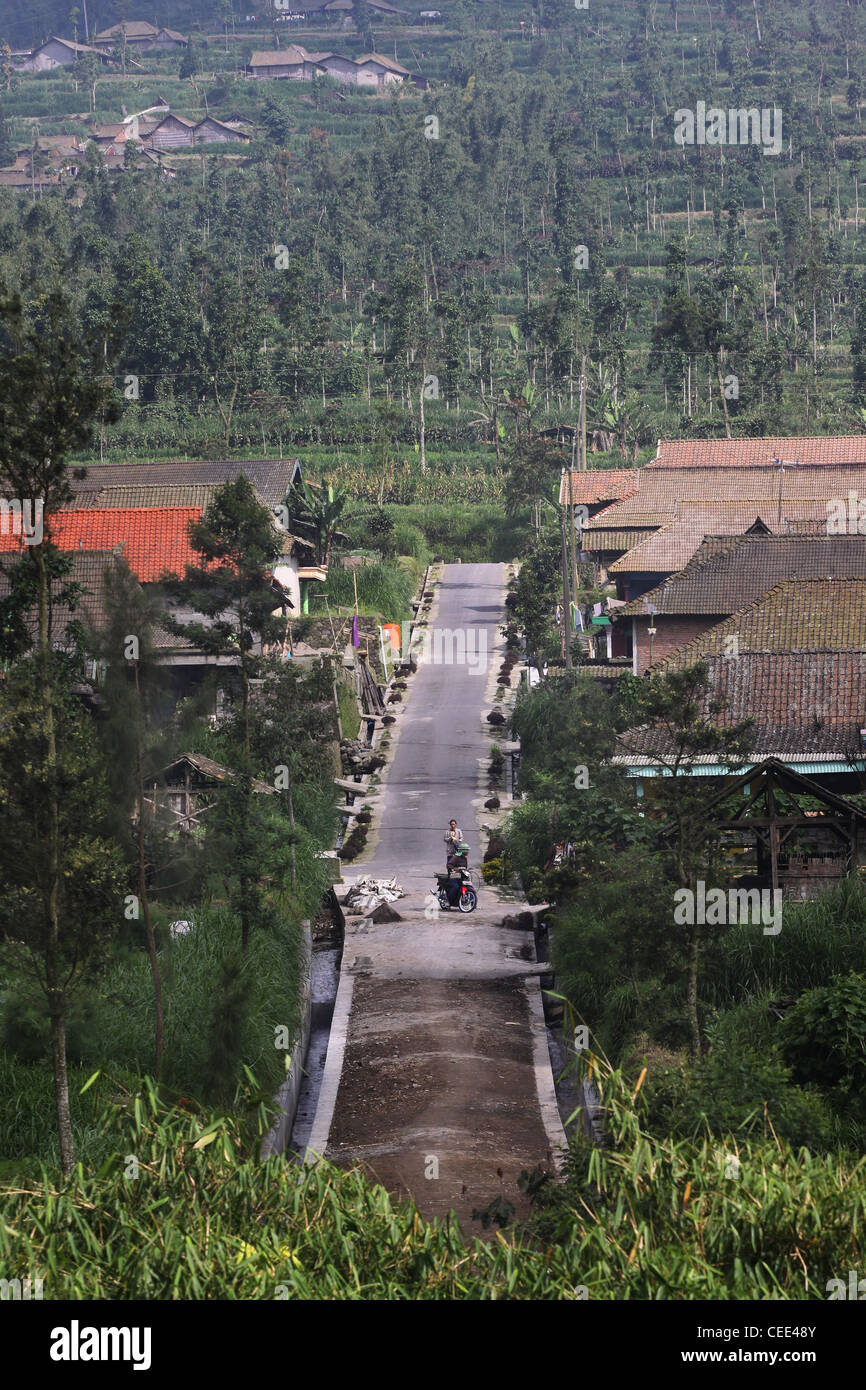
<point x="824" y="1037"/>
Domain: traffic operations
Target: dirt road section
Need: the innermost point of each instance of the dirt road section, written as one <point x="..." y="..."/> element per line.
<point x="437" y="1093"/>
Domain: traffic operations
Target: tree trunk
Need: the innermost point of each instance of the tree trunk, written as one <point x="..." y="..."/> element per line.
<point x="145" y="903"/>
<point x="54" y="989"/>
<point x="692" y="992"/>
<point x="61" y="1088"/>
<point x="421" y="427"/>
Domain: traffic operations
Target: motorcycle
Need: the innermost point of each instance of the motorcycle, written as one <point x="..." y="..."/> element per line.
<point x="468" y="898"/>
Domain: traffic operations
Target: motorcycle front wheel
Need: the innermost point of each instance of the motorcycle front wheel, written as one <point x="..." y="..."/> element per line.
<point x="468" y="900"/>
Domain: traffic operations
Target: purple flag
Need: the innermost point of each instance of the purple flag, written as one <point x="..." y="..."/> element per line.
<point x="356" y="636"/>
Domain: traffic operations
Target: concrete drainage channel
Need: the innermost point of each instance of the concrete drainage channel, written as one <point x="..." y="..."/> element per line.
<point x="298" y="1097"/>
<point x="325" y="979"/>
<point x="572" y="1093"/>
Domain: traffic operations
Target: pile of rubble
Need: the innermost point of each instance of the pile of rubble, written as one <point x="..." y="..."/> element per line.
<point x="368" y="894"/>
<point x="359" y="759"/>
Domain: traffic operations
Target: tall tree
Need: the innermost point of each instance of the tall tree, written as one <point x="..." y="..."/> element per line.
<point x="232" y="585"/>
<point x="677" y="722"/>
<point x="52" y="388"/>
<point x="129" y="717"/>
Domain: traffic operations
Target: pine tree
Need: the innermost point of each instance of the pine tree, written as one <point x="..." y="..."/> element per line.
<point x="52" y="389"/>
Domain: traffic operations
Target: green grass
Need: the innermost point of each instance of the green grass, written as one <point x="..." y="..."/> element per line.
<point x="384" y="590"/>
<point x="818" y="939"/>
<point x="349" y="716"/>
<point x="471" y="533"/>
<point x="117" y="1033"/>
<point x="197" y="1217"/>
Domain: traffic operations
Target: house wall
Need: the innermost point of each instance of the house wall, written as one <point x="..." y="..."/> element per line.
<point x="170" y="136"/>
<point x="341" y="69"/>
<point x="293" y="71"/>
<point x="286" y="573"/>
<point x="209" y="134"/>
<point x="53" y="55"/>
<point x="671" y="633"/>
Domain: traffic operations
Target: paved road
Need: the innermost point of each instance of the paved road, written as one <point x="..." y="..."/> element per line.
<point x="442" y="745"/>
<point x="437" y="1077"/>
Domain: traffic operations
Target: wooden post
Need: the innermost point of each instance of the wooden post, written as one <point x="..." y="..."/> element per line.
<point x="583" y="413"/>
<point x="774" y="836"/>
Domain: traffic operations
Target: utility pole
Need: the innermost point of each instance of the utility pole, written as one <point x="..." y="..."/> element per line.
<point x="566" y="596"/>
<point x="583" y="413"/>
<point x="571" y="520"/>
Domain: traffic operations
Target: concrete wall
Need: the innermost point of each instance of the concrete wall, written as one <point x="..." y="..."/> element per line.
<point x="286" y="573"/>
<point x="53" y="55"/>
<point x="276" y="1141"/>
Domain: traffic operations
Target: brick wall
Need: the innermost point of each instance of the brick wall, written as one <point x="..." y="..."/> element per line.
<point x="671" y="633"/>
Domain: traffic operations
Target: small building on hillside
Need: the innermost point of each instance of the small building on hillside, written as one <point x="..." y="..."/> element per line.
<point x="210" y="131"/>
<point x="190" y="786"/>
<point x="140" y="35"/>
<point x="376" y="71"/>
<point x="58" y="53"/>
<point x="293" y="63"/>
<point x="172" y="133"/>
<point x="341" y="10"/>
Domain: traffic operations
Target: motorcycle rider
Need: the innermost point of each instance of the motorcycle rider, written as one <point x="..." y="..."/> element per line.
<point x="455" y="878"/>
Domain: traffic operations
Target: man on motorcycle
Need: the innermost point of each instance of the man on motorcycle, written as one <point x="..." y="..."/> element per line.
<point x="455" y="878"/>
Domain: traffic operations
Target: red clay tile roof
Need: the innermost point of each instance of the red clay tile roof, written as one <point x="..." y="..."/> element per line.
<point x="154" y="539"/>
<point x="795" y="616"/>
<point x="671" y="547"/>
<point x="728" y="572"/>
<point x="598" y="485"/>
<point x="818" y="449"/>
<point x="660" y="489"/>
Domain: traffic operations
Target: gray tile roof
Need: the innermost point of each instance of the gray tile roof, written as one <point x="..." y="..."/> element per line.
<point x="728" y="572"/>
<point x="271" y="478"/>
<point x="801" y="702"/>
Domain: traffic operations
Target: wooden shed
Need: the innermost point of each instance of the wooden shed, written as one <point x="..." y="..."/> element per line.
<point x="191" y="785"/>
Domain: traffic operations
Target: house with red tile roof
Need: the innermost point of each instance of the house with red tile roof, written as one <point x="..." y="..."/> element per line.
<point x="748" y="453"/>
<point x="796" y="615"/>
<point x="153" y="540"/>
<point x="596" y="487"/>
